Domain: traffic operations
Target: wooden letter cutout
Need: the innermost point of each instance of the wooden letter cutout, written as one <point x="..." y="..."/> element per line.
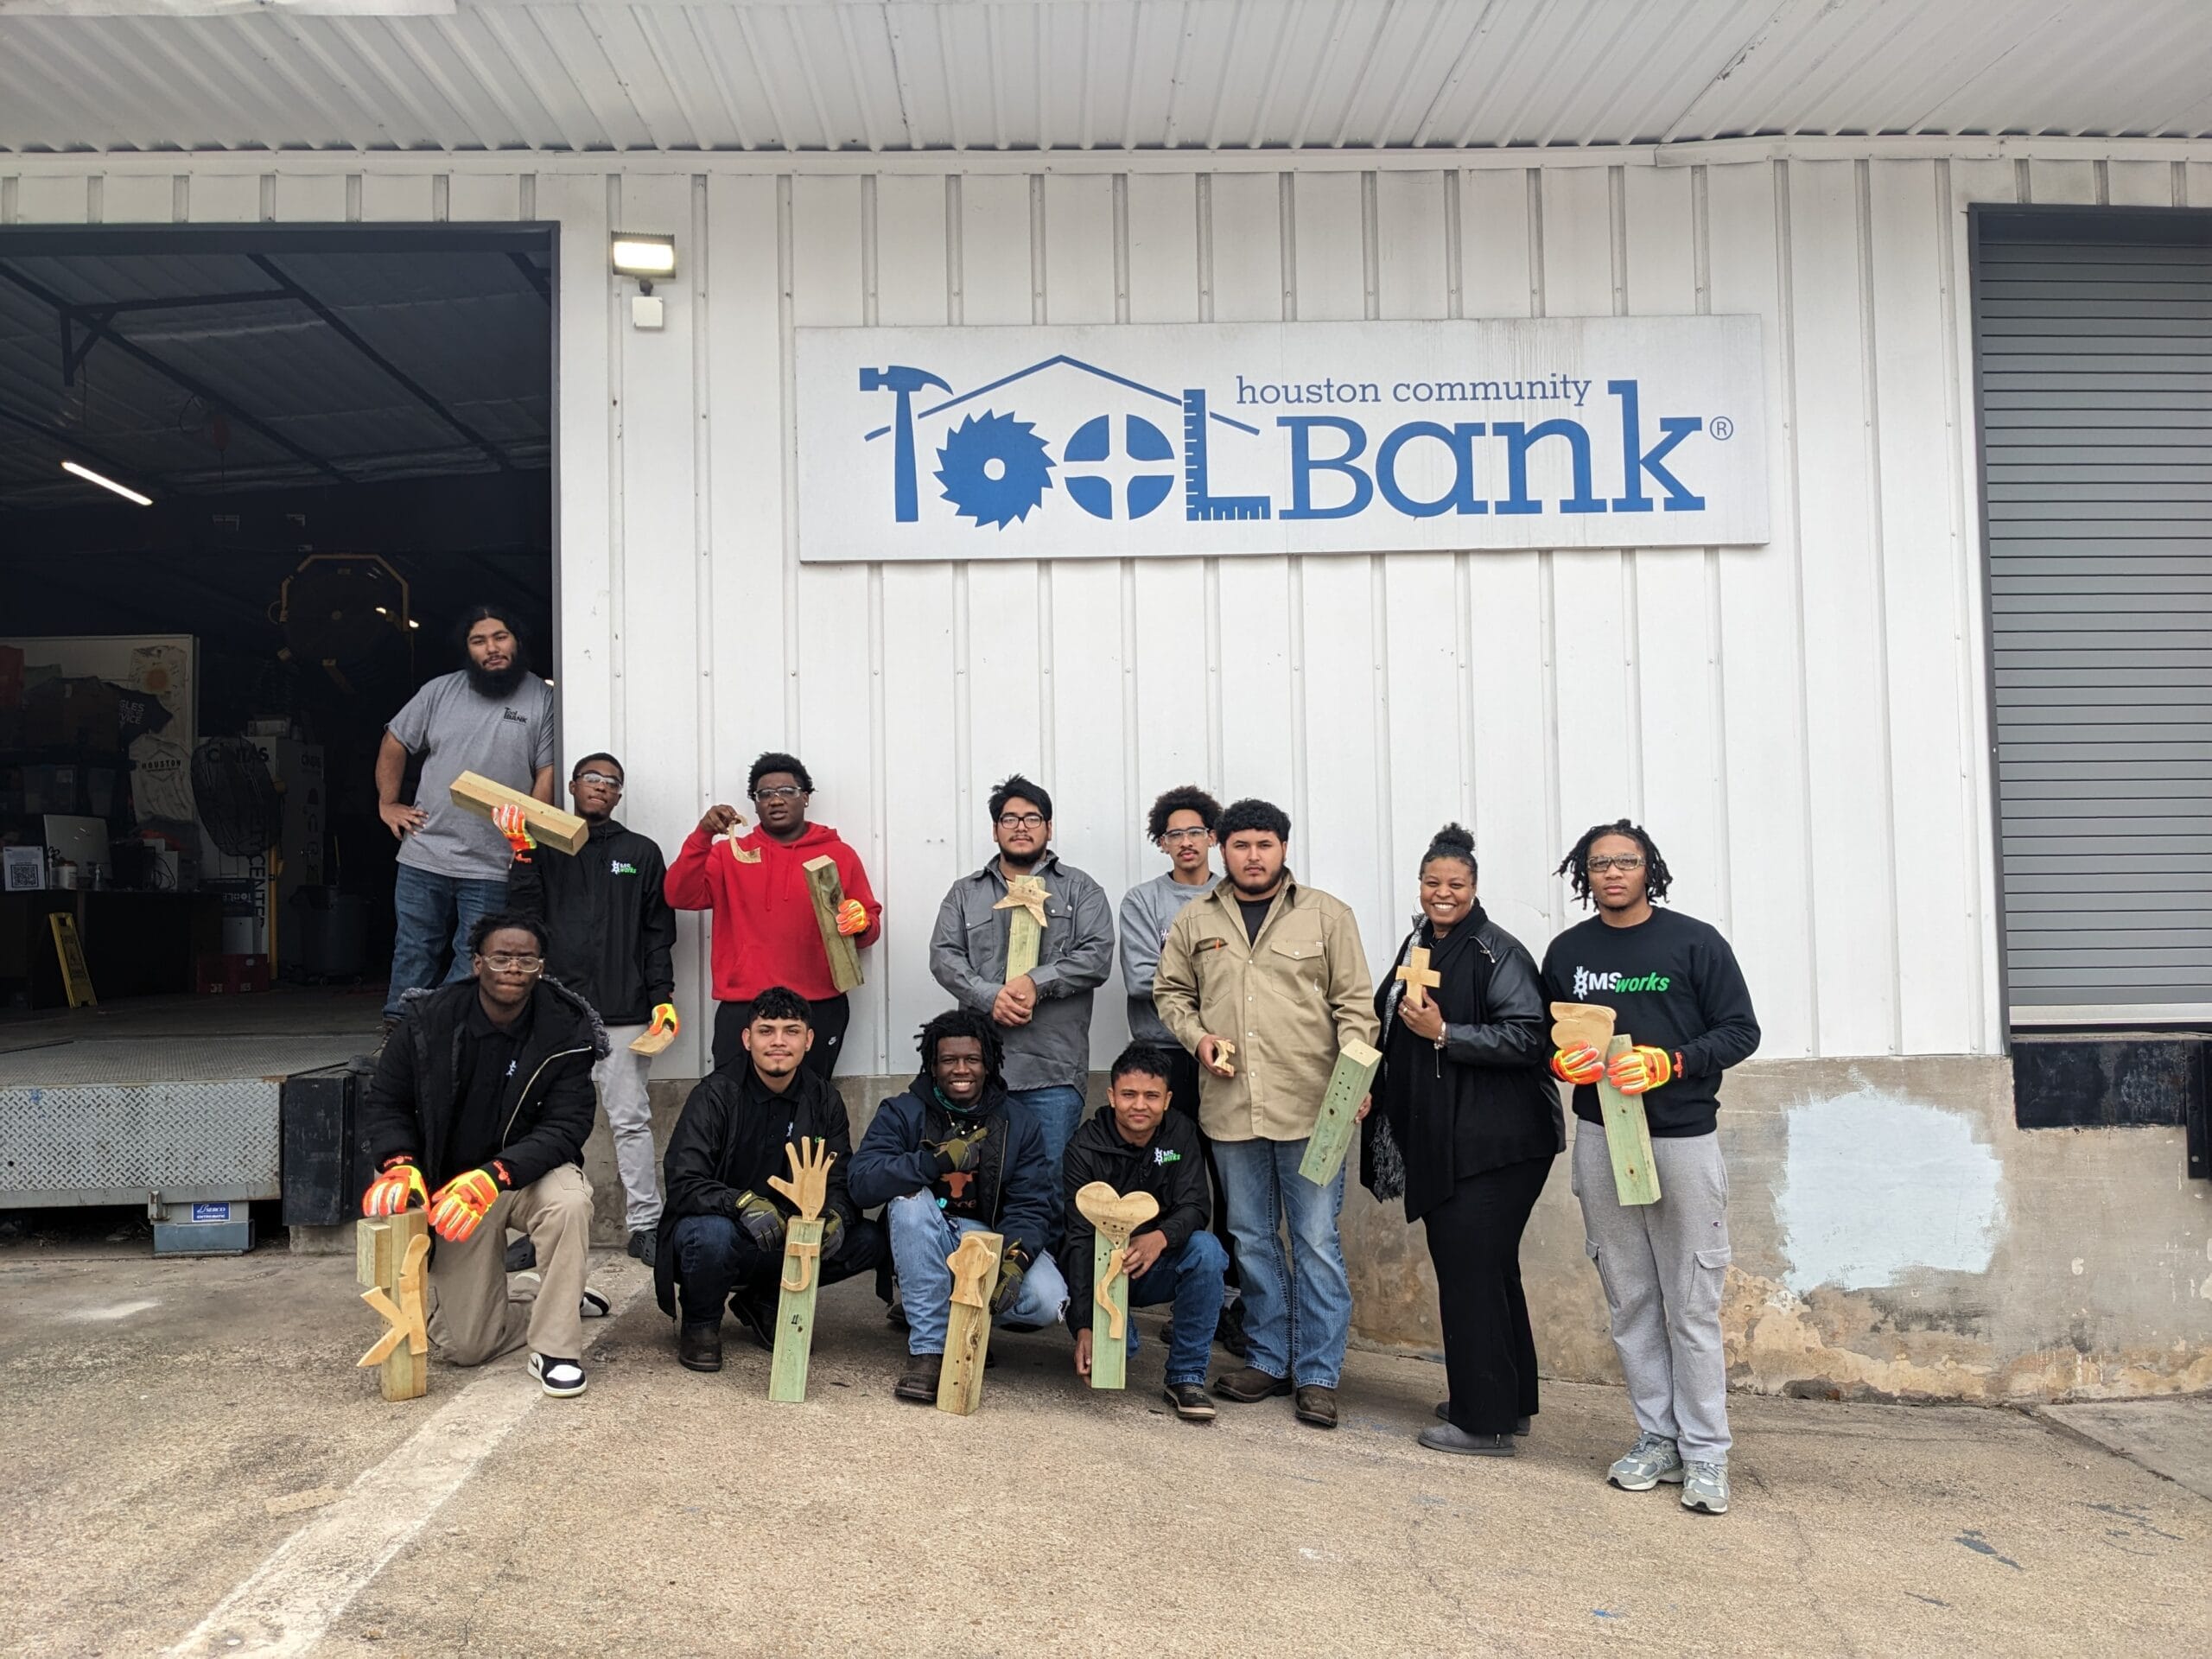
<point x="391" y="1255"/>
<point x="1114" y="1217"/>
<point x="1419" y="977"/>
<point x="1340" y="1116"/>
<point x="967" y="1330"/>
<point x="830" y="893"/>
<point x="1628" y="1132"/>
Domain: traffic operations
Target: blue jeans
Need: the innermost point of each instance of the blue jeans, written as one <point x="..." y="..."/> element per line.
<point x="1058" y="1111"/>
<point x="715" y="1257"/>
<point x="1191" y="1278"/>
<point x="430" y="910"/>
<point x="1297" y="1306"/>
<point x="922" y="1236"/>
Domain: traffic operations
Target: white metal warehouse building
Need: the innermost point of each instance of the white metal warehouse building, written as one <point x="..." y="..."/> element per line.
<point x="1834" y="730"/>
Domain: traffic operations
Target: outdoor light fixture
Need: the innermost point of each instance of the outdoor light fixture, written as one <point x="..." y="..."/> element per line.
<point x="645" y="257"/>
<point x="92" y="477"/>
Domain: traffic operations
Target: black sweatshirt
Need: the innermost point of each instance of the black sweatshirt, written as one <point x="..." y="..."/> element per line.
<point x="612" y="931"/>
<point x="1673" y="983"/>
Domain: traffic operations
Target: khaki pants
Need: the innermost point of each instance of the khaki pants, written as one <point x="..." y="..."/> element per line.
<point x="472" y="1319"/>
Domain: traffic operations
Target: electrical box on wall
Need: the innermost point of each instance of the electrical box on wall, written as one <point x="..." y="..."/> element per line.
<point x="647" y="312"/>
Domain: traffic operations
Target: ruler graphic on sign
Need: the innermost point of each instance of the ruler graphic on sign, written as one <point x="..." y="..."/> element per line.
<point x="1197" y="504"/>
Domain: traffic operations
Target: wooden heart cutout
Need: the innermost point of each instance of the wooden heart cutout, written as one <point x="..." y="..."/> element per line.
<point x="1581" y="1022"/>
<point x="1112" y="1214"/>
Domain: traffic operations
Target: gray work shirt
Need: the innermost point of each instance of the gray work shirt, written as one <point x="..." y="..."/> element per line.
<point x="968" y="957"/>
<point x="1149" y="910"/>
<point x="455" y="730"/>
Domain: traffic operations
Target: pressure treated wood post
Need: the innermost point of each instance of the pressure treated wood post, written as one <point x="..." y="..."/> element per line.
<point x="830" y="893"/>
<point x="1628" y="1136"/>
<point x="391" y="1257"/>
<point x="1024" y="930"/>
<point x="967" y="1330"/>
<point x="802" y="1277"/>
<point x="1113" y="1219"/>
<point x="1332" y="1130"/>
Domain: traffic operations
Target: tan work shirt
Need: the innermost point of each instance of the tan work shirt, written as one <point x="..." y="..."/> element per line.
<point x="1289" y="999"/>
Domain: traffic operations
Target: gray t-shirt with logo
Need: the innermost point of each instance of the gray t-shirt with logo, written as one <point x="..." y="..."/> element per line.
<point x="455" y="730"/>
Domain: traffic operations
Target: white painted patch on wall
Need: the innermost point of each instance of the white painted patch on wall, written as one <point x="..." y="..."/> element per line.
<point x="1875" y="1184"/>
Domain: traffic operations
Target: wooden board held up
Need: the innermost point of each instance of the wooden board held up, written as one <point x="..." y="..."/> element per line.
<point x="1628" y="1132"/>
<point x="830" y="893"/>
<point x="563" y="831"/>
<point x="1333" y="1130"/>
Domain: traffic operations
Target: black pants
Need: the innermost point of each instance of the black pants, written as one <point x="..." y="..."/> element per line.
<point x="1474" y="1239"/>
<point x="830" y="1017"/>
<point x="715" y="1257"/>
<point x="1183" y="1096"/>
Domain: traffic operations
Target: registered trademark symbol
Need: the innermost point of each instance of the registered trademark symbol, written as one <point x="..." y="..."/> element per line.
<point x="1721" y="428"/>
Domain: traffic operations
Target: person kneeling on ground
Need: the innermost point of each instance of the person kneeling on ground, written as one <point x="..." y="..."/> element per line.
<point x="722" y="1237"/>
<point x="949" y="1157"/>
<point x="479" y="1108"/>
<point x="1133" y="1144"/>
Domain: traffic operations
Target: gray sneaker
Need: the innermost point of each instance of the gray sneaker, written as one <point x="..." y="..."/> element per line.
<point x="1650" y="1460"/>
<point x="1705" y="1486"/>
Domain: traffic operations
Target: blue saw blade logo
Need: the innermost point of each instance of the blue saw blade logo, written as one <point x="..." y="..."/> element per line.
<point x="994" y="469"/>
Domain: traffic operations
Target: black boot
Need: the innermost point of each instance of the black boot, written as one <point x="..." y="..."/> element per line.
<point x="699" y="1345"/>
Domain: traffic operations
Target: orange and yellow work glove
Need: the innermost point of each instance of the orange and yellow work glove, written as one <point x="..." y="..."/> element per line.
<point x="851" y="918"/>
<point x="511" y="821"/>
<point x="1579" y="1064"/>
<point x="664" y="1020"/>
<point x="1638" y="1071"/>
<point x="457" y="1207"/>
<point x="397" y="1186"/>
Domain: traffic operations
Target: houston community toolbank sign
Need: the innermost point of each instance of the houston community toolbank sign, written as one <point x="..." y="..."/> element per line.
<point x="1137" y="440"/>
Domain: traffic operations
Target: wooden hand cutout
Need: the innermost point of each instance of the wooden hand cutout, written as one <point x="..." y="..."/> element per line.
<point x="809" y="1187"/>
<point x="1581" y="1022"/>
<point x="972" y="1263"/>
<point x="404" y="1319"/>
<point x="1419" y="976"/>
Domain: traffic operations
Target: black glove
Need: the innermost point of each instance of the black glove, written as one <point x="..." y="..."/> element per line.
<point x="833" y="1234"/>
<point x="962" y="1151"/>
<point x="762" y="1221"/>
<point x="1012" y="1266"/>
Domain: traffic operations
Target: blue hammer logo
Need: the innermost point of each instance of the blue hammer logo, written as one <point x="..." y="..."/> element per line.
<point x="905" y="382"/>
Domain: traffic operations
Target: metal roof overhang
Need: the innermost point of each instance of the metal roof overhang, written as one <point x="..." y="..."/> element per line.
<point x="1030" y="75"/>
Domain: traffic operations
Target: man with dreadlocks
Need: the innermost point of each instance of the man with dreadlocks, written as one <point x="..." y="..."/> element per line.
<point x="948" y="1157"/>
<point x="1674" y="985"/>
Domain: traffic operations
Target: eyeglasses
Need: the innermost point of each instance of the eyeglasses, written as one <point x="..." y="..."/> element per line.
<point x="780" y="792"/>
<point x="1625" y="861"/>
<point x="1021" y="820"/>
<point x="1198" y="834"/>
<point x="601" y="779"/>
<point x="513" y="964"/>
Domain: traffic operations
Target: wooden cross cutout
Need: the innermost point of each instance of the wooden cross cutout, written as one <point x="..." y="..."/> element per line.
<point x="1114" y="1217"/>
<point x="1418" y="977"/>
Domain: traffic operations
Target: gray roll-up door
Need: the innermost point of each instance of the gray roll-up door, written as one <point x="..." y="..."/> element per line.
<point x="2094" y="338"/>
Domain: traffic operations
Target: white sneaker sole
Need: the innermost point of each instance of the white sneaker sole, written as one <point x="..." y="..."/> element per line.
<point x="559" y="1391"/>
<point x="1670" y="1478"/>
<point x="1704" y="1506"/>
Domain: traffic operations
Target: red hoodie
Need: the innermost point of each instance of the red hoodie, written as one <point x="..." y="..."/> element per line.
<point x="763" y="929"/>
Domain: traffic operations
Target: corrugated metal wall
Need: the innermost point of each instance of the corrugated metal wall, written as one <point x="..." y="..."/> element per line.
<point x="1801" y="724"/>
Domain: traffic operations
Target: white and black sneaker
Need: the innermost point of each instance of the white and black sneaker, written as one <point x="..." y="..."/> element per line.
<point x="594" y="1306"/>
<point x="561" y="1378"/>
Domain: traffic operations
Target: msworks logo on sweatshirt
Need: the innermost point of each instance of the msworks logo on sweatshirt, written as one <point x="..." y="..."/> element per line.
<point x="1616" y="982"/>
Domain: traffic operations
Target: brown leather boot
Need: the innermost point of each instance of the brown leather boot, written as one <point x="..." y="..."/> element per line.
<point x="1316" y="1405"/>
<point x="918" y="1382"/>
<point x="1249" y="1386"/>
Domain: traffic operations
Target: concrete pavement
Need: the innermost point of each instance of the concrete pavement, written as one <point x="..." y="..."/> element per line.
<point x="195" y="1461"/>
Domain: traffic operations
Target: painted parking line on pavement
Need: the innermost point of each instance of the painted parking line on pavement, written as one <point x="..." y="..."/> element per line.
<point x="282" y="1608"/>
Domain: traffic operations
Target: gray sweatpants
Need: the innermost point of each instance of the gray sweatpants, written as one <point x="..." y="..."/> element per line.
<point x="621" y="1080"/>
<point x="1662" y="1265"/>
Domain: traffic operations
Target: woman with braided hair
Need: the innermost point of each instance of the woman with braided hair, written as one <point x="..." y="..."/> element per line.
<point x="1465" y="1126"/>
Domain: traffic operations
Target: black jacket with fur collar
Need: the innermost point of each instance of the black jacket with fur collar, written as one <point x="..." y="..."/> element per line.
<point x="548" y="1110"/>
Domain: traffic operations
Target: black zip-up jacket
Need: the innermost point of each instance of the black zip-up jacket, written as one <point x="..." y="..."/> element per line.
<point x="613" y="935"/>
<point x="730" y="1139"/>
<point x="1010" y="1190"/>
<point x="1173" y="1168"/>
<point x="545" y="1112"/>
